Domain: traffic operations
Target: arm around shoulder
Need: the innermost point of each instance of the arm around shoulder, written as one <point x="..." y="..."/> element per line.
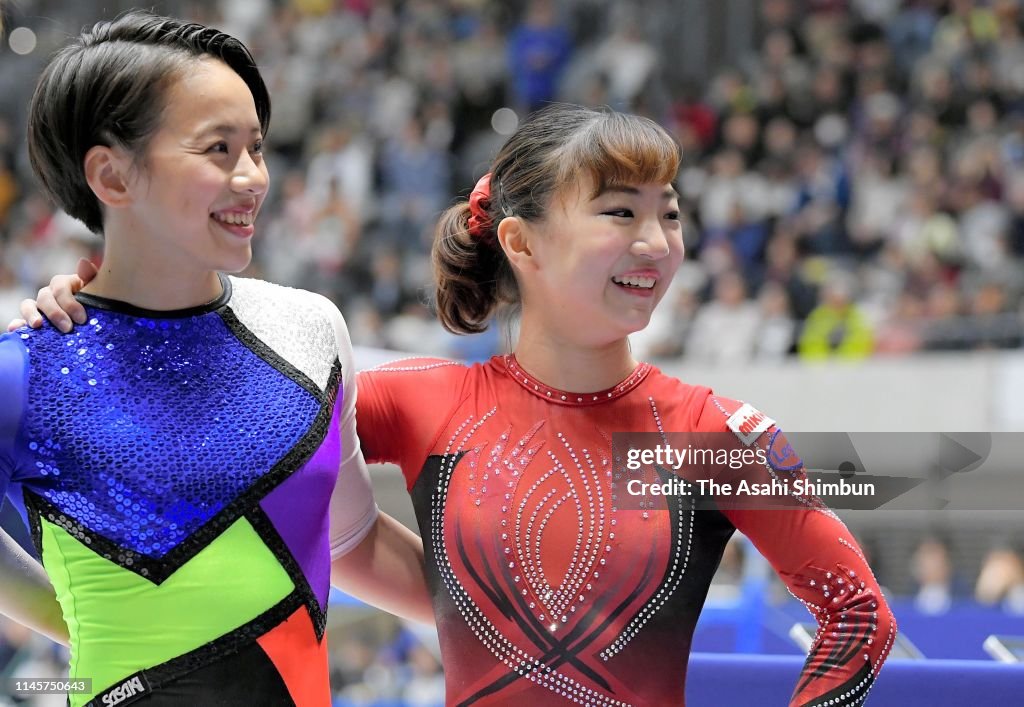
<point x="374" y="557"/>
<point x="386" y="569"/>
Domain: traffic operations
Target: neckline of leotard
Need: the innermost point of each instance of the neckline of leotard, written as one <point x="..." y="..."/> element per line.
<point x="120" y="307"/>
<point x="564" y="397"/>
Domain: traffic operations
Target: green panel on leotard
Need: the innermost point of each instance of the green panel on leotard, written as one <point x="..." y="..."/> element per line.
<point x="138" y="624"/>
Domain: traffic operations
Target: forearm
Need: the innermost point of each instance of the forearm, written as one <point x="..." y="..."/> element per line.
<point x="855" y="632"/>
<point x="386" y="570"/>
<point x="821" y="565"/>
<point x="26" y="594"/>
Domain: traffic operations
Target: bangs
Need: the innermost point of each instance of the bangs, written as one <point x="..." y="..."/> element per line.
<point x="619" y="150"/>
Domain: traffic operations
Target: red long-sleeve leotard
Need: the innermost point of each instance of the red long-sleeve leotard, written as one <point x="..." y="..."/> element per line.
<point x="547" y="590"/>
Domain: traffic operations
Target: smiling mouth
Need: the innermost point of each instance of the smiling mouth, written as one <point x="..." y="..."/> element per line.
<point x="635" y="282"/>
<point x="235" y="219"/>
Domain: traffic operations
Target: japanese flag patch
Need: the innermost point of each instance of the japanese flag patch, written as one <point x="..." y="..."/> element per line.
<point x="748" y="423"/>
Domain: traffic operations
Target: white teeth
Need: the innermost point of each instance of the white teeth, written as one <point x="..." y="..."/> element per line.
<point x="645" y="283"/>
<point x="236" y="219"/>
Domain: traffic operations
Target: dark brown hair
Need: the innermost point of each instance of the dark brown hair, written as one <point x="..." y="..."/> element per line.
<point x="558" y="146"/>
<point x="108" y="87"/>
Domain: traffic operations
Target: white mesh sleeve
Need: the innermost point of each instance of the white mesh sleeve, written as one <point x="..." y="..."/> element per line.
<point x="353" y="510"/>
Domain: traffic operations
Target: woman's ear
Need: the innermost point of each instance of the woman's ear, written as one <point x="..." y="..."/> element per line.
<point x="108" y="172"/>
<point x="515" y="238"/>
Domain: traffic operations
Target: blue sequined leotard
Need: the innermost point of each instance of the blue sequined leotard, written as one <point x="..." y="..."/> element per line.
<point x="175" y="469"/>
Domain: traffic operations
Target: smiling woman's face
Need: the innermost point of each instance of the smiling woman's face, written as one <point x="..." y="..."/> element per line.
<point x="603" y="262"/>
<point x="203" y="178"/>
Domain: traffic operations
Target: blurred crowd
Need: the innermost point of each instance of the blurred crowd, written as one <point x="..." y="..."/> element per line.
<point x="858" y="184"/>
<point x="939" y="582"/>
<point x="854" y="181"/>
<point x="935" y="570"/>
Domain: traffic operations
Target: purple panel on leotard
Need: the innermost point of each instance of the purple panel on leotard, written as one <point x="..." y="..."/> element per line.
<point x="298" y="508"/>
<point x="13" y="380"/>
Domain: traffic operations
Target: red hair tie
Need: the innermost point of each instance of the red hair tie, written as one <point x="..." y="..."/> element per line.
<point x="479" y="202"/>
